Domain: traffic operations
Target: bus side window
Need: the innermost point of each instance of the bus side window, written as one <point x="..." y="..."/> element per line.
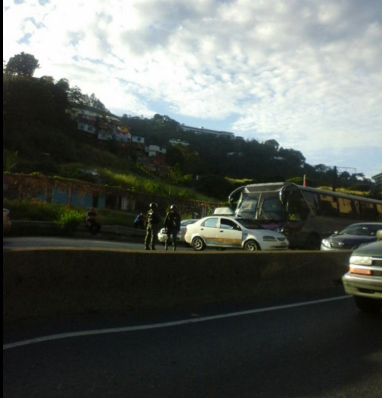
<point x="329" y="205"/>
<point x="345" y="208"/>
<point x="304" y="210"/>
<point x="297" y="207"/>
<point x="356" y="209"/>
<point x="379" y="212"/>
<point x="368" y="211"/>
<point x="312" y="200"/>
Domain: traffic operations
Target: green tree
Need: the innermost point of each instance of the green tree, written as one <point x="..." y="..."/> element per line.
<point x="176" y="176"/>
<point x="94" y="102"/>
<point x="75" y="96"/>
<point x="9" y="159"/>
<point x="214" y="185"/>
<point x="273" y="144"/>
<point x="22" y="65"/>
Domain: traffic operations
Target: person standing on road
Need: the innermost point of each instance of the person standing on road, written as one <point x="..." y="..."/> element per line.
<point x="172" y="225"/>
<point x="92" y="221"/>
<point x="152" y="223"/>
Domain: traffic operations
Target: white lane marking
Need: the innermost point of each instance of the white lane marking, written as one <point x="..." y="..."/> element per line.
<point x="164" y="325"/>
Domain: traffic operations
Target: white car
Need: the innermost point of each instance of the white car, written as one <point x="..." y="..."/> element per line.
<point x="364" y="279"/>
<point x="162" y="234"/>
<point x="231" y="232"/>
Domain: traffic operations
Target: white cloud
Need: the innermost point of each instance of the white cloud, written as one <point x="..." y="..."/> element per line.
<point x="306" y="73"/>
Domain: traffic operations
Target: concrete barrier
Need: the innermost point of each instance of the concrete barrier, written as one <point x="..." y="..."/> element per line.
<point x="74" y="281"/>
<point x="49" y="228"/>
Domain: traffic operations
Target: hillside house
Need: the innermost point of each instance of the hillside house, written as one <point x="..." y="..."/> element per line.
<point x="202" y="130"/>
<point x="378" y="178"/>
<point x="105" y="128"/>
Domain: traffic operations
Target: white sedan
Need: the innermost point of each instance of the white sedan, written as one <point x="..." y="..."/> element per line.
<point x="162" y="234"/>
<point x="232" y="232"/>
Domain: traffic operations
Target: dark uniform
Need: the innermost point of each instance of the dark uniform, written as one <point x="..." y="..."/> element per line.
<point x="172" y="224"/>
<point x="152" y="227"/>
<point x="93" y="224"/>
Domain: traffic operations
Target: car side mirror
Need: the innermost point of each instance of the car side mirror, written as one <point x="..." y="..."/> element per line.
<point x="379" y="234"/>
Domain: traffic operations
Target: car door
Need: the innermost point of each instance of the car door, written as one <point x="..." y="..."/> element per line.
<point x="229" y="233"/>
<point x="209" y="231"/>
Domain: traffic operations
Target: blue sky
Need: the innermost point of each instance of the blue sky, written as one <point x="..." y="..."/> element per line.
<point x="307" y="73"/>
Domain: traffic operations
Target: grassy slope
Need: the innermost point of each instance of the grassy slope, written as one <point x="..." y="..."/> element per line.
<point x="66" y="152"/>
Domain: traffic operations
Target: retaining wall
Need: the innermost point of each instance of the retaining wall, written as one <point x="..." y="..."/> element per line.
<point x="74" y="281"/>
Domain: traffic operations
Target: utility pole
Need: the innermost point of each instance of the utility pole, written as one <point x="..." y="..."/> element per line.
<point x="334" y="179"/>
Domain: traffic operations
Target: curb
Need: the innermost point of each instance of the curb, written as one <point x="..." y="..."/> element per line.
<point x="48" y="228"/>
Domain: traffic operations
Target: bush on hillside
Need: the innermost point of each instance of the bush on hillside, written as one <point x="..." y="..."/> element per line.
<point x="69" y="221"/>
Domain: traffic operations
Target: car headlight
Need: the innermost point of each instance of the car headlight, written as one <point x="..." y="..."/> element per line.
<point x="269" y="238"/>
<point x="326" y="243"/>
<point x="361" y="260"/>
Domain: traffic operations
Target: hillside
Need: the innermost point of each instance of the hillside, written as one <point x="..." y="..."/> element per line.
<point x="40" y="137"/>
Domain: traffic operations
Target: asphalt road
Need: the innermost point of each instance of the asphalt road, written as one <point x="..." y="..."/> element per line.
<point x="95" y="242"/>
<point x="274" y="349"/>
<point x="22" y="242"/>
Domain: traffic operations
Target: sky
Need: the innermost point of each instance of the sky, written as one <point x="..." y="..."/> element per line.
<point x="306" y="73"/>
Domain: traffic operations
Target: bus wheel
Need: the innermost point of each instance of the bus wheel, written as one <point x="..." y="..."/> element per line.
<point x="313" y="242"/>
<point x="198" y="244"/>
<point x="251" y="245"/>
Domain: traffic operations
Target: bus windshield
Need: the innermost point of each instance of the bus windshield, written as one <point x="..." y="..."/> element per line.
<point x="271" y="207"/>
<point x="247" y="205"/>
<point x="261" y="206"/>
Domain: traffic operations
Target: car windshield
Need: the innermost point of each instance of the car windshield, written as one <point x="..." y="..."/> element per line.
<point x="187" y="222"/>
<point x="361" y="229"/>
<point x="249" y="224"/>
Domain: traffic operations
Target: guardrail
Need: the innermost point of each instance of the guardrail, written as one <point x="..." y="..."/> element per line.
<point x="48" y="228"/>
<point x="38" y="282"/>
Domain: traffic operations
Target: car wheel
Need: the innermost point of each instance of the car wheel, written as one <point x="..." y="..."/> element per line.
<point x="198" y="244"/>
<point x="367" y="304"/>
<point x="251" y="246"/>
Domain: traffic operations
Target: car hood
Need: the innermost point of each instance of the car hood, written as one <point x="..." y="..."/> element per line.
<point x="372" y="249"/>
<point x="352" y="239"/>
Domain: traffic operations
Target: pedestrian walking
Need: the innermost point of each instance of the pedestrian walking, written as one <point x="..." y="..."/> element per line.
<point x="152" y="227"/>
<point x="172" y="225"/>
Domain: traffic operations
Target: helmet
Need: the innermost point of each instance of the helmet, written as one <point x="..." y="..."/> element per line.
<point x="153" y="206"/>
<point x="173" y="207"/>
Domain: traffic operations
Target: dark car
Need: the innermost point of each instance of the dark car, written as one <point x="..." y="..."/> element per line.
<point x="364" y="279"/>
<point x="352" y="237"/>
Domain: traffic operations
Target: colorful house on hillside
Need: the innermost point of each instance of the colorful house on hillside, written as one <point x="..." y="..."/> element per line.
<point x="104" y="128"/>
<point x="157" y="159"/>
<point x="378" y="178"/>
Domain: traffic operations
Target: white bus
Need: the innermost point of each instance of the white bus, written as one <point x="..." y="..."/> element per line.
<point x="305" y="215"/>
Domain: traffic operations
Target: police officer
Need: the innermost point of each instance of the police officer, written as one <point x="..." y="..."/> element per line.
<point x="152" y="223"/>
<point x="172" y="224"/>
